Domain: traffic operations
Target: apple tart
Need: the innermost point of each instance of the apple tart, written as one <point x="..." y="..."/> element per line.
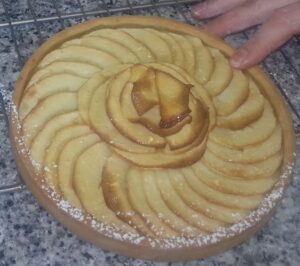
<point x="138" y="135"/>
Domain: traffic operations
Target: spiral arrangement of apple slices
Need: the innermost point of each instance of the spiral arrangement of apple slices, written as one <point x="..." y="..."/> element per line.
<point x="150" y="131"/>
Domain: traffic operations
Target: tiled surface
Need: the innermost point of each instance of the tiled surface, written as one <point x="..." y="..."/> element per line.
<point x="29" y="236"/>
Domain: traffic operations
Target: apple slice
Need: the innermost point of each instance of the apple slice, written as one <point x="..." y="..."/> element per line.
<point x="200" y="94"/>
<point x="188" y="51"/>
<point x="114" y="188"/>
<point x="218" y="197"/>
<point x="156" y="202"/>
<point x="138" y="48"/>
<point x="151" y="121"/>
<point x="254" y="133"/>
<point x="44" y="138"/>
<point x="111" y="71"/>
<point x="196" y="90"/>
<point x="86" y="91"/>
<point x="151" y="118"/>
<point x="199" y="140"/>
<point x="200" y="204"/>
<point x="249" y="154"/>
<point x="87" y="183"/>
<point x="155" y="44"/>
<point x="85" y="94"/>
<point x="174" y="71"/>
<point x="173" y="99"/>
<point x="144" y="95"/>
<point x="137" y="72"/>
<point x="66" y="163"/>
<point x="73" y="68"/>
<point x="234" y="95"/>
<point x="80" y="54"/>
<point x="135" y="132"/>
<point x="127" y="106"/>
<point x="104" y="127"/>
<point x="235" y="186"/>
<point x="204" y="63"/>
<point x="139" y="203"/>
<point x="247" y="113"/>
<point x="190" y="131"/>
<point x="119" y="51"/>
<point x="265" y="168"/>
<point x="175" y="203"/>
<point x="176" y="50"/>
<point x="221" y="75"/>
<point x="47" y="87"/>
<point x="51" y="157"/>
<point x="160" y="159"/>
<point x="45" y="110"/>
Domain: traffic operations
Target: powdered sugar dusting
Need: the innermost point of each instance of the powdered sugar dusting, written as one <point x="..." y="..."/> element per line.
<point x="267" y="205"/>
<point x="19" y="138"/>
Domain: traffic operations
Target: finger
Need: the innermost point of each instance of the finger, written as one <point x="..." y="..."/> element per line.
<point x="281" y="26"/>
<point x="213" y="8"/>
<point x="249" y="14"/>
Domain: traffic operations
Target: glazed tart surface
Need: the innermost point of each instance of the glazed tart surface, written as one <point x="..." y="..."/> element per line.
<point x="138" y="132"/>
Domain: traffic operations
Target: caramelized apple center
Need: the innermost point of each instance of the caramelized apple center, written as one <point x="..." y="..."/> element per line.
<point x="160" y="100"/>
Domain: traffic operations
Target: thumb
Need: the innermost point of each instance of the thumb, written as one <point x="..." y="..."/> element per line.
<point x="281" y="26"/>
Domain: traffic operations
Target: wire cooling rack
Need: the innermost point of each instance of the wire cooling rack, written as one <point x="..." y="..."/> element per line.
<point x="24" y="25"/>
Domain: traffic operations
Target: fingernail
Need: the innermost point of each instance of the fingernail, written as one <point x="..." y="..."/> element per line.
<point x="239" y="58"/>
<point x="198" y="10"/>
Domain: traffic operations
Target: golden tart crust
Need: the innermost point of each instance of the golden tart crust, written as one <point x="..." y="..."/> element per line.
<point x="199" y="180"/>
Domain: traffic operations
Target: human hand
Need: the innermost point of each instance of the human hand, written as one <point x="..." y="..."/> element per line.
<point x="280" y="21"/>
